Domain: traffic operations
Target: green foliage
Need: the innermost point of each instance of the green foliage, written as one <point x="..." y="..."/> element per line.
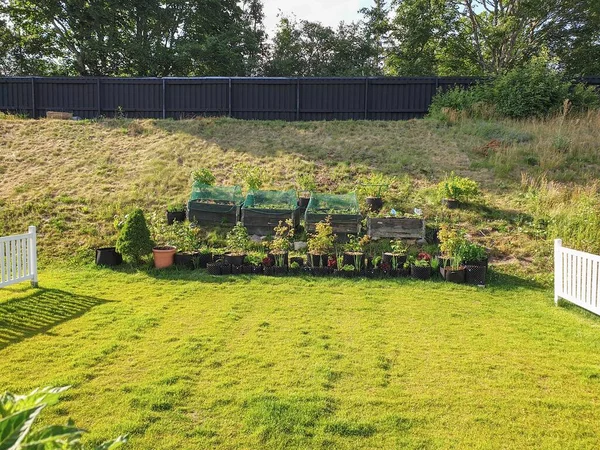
<point x="452" y="243"/>
<point x="184" y="236"/>
<point x="348" y="268"/>
<point x="461" y="99"/>
<point x="398" y="247"/>
<point x="254" y="177"/>
<point x="18" y="414"/>
<point x="238" y="240"/>
<point x="134" y="238"/>
<point x="176" y="207"/>
<point x="376" y="184"/>
<point x="458" y="188"/>
<point x="584" y="97"/>
<point x="471" y="251"/>
<point x="307" y="182"/>
<point x="294" y="265"/>
<point x="203" y="176"/>
<point x="321" y="242"/>
<point x="284" y="236"/>
<point x="421" y="263"/>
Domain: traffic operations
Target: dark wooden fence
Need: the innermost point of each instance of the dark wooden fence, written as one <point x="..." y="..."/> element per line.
<point x="243" y="98"/>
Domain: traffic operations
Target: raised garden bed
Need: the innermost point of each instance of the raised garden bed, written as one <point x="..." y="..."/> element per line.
<point x="215" y="205"/>
<point x="341" y="208"/>
<point x="263" y="210"/>
<point x="395" y="228"/>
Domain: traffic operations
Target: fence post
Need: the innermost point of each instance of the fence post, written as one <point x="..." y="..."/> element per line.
<point x="558" y="269"/>
<point x="33" y="256"/>
<point x="297" y="99"/>
<point x="229" y="107"/>
<point x="33" y="97"/>
<point x="367" y="98"/>
<point x="164" y="99"/>
<point x="98" y="97"/>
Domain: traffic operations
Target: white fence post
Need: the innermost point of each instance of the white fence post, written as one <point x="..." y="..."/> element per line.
<point x="558" y="269"/>
<point x="33" y="256"/>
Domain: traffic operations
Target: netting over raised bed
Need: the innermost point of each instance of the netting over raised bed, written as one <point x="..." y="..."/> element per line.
<point x="271" y="200"/>
<point x="231" y="195"/>
<point x="333" y="204"/>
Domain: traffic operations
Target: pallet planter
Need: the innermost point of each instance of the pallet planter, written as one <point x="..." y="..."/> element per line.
<point x="263" y="210"/>
<point x="215" y="205"/>
<point x="395" y="228"/>
<point x="342" y="209"/>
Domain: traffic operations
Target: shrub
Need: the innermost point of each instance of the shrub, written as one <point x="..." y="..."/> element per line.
<point x="584" y="98"/>
<point x="307" y="182"/>
<point x="284" y="236"/>
<point x="203" y="176"/>
<point x="533" y="90"/>
<point x="452" y="242"/>
<point x="458" y="188"/>
<point x="461" y="99"/>
<point x="376" y="184"/>
<point x="238" y="240"/>
<point x="134" y="238"/>
<point x="253" y="177"/>
<point x="322" y="241"/>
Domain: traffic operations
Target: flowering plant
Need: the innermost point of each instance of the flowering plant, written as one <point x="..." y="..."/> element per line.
<point x="332" y="262"/>
<point x="424" y="256"/>
<point x="267" y="262"/>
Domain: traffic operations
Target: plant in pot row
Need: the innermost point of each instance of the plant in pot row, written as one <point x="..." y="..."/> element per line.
<point x="455" y="190"/>
<point x="373" y="187"/>
<point x="282" y="243"/>
<point x="462" y="260"/>
<point x="320" y="244"/>
<point x="306" y="185"/>
<point x="176" y="212"/>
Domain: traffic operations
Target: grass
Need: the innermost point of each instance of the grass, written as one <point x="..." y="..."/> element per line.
<point x="178" y="359"/>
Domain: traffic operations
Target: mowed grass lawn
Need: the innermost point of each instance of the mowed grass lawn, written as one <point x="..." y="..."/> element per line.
<point x="180" y="360"/>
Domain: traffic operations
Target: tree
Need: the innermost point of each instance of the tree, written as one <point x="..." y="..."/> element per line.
<point x="377" y="29"/>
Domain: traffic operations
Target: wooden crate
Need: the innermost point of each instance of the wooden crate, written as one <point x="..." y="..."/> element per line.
<point x="213" y="214"/>
<point x="262" y="221"/>
<point x="342" y="224"/>
<point x="59" y="115"/>
<point x="395" y="228"/>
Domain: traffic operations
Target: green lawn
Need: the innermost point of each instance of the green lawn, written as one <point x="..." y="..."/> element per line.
<point x="180" y="360"/>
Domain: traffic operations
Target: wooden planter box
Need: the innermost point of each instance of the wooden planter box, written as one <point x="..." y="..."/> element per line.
<point x="213" y="214"/>
<point x="395" y="228"/>
<point x="59" y="115"/>
<point x="342" y="224"/>
<point x="262" y="221"/>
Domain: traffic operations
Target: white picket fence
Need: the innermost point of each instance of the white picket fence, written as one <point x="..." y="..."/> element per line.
<point x="576" y="277"/>
<point x="18" y="259"/>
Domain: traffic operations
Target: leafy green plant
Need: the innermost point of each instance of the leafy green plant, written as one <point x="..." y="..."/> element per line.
<point x="203" y="176"/>
<point x="254" y="177"/>
<point x="348" y="268"/>
<point x="458" y="188"/>
<point x="398" y="247"/>
<point x="356" y="247"/>
<point x="176" y="207"/>
<point x="18" y="414"/>
<point x="294" y="265"/>
<point x="307" y="183"/>
<point x="284" y="236"/>
<point x="470" y="251"/>
<point x="321" y="242"/>
<point x="376" y="185"/>
<point x="421" y="263"/>
<point x="452" y="242"/>
<point x="238" y="240"/>
<point x="185" y="237"/>
<point x="134" y="238"/>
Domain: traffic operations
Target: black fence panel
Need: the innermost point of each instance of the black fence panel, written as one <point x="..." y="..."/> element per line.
<point x="377" y="98"/>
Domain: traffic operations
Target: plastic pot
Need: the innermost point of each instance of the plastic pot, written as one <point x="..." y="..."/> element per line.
<point x="317" y="260"/>
<point x="420" y="273"/>
<point x="236" y="270"/>
<point x="450" y="203"/>
<point x="453" y="275"/>
<point x="234" y="260"/>
<point x="475" y="275"/>
<point x="279" y="258"/>
<point x="108" y="256"/>
<point x="388" y="258"/>
<point x="374" y="203"/>
<point x="163" y="256"/>
<point x="187" y="259"/>
<point x="303" y="202"/>
<point x="176" y="216"/>
<point x="213" y="269"/>
<point x="350" y="258"/>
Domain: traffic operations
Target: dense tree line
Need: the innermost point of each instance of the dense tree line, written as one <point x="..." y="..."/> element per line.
<point x="228" y="38"/>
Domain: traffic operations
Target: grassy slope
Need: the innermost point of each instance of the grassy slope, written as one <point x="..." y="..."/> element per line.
<point x="72" y="178"/>
<point x="181" y="360"/>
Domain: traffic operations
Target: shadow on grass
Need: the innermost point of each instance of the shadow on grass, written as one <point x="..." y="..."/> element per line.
<point x="37" y="313"/>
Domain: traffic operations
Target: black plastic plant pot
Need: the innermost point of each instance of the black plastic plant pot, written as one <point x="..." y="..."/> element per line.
<point x="234" y="260"/>
<point x="420" y="273"/>
<point x="320" y="271"/>
<point x="374" y="203"/>
<point x="388" y="258"/>
<point x="280" y="259"/>
<point x="204" y="259"/>
<point x="225" y="269"/>
<point x="298" y="260"/>
<point x="303" y="202"/>
<point x="269" y="271"/>
<point x="108" y="256"/>
<point x="373" y="273"/>
<point x="454" y="275"/>
<point x="187" y="259"/>
<point x="480" y="263"/>
<point x="247" y="270"/>
<point x="317" y="261"/>
<point x="175" y="216"/>
<point x="450" y="203"/>
<point x="475" y="275"/>
<point x="258" y="269"/>
<point x="350" y="258"/>
<point x="236" y="270"/>
<point x="213" y="269"/>
<point x="295" y="272"/>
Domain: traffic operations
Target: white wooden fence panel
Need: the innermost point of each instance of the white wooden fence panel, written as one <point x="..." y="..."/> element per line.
<point x="18" y="258"/>
<point x="576" y="277"/>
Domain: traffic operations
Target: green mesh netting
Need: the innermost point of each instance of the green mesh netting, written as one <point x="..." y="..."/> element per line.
<point x="333" y="204"/>
<point x="216" y="194"/>
<point x="271" y="200"/>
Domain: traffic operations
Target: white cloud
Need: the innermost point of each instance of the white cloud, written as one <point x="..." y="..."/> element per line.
<point x="328" y="12"/>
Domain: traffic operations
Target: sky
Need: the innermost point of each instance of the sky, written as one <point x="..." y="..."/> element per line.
<point x="328" y="12"/>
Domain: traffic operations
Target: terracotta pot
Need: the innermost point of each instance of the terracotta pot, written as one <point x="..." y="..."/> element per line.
<point x="164" y="256"/>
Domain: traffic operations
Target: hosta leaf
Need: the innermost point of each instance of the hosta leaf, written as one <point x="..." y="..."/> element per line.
<point x="14" y="428"/>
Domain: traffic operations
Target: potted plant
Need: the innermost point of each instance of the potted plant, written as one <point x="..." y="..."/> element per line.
<point x="295" y="268"/>
<point x="306" y="185"/>
<point x="320" y="244"/>
<point x="455" y="190"/>
<point x="475" y="260"/>
<point x="203" y="176"/>
<point x="452" y="243"/>
<point x="282" y="244"/>
<point x="253" y="177"/>
<point x="420" y="268"/>
<point x="397" y="257"/>
<point x="186" y="239"/>
<point x="134" y="240"/>
<point x="238" y="242"/>
<point x="347" y="271"/>
<point x="175" y="213"/>
<point x="268" y="266"/>
<point x="354" y="252"/>
<point x="373" y="187"/>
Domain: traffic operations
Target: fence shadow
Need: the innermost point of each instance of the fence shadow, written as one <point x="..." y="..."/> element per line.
<point x="39" y="312"/>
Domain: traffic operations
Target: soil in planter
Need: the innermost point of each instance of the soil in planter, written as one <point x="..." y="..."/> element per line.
<point x="234" y="259"/>
<point x="374" y="203"/>
<point x="108" y="256"/>
<point x="176" y="216"/>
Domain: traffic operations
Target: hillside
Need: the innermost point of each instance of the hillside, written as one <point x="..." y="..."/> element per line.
<point x="72" y="178"/>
